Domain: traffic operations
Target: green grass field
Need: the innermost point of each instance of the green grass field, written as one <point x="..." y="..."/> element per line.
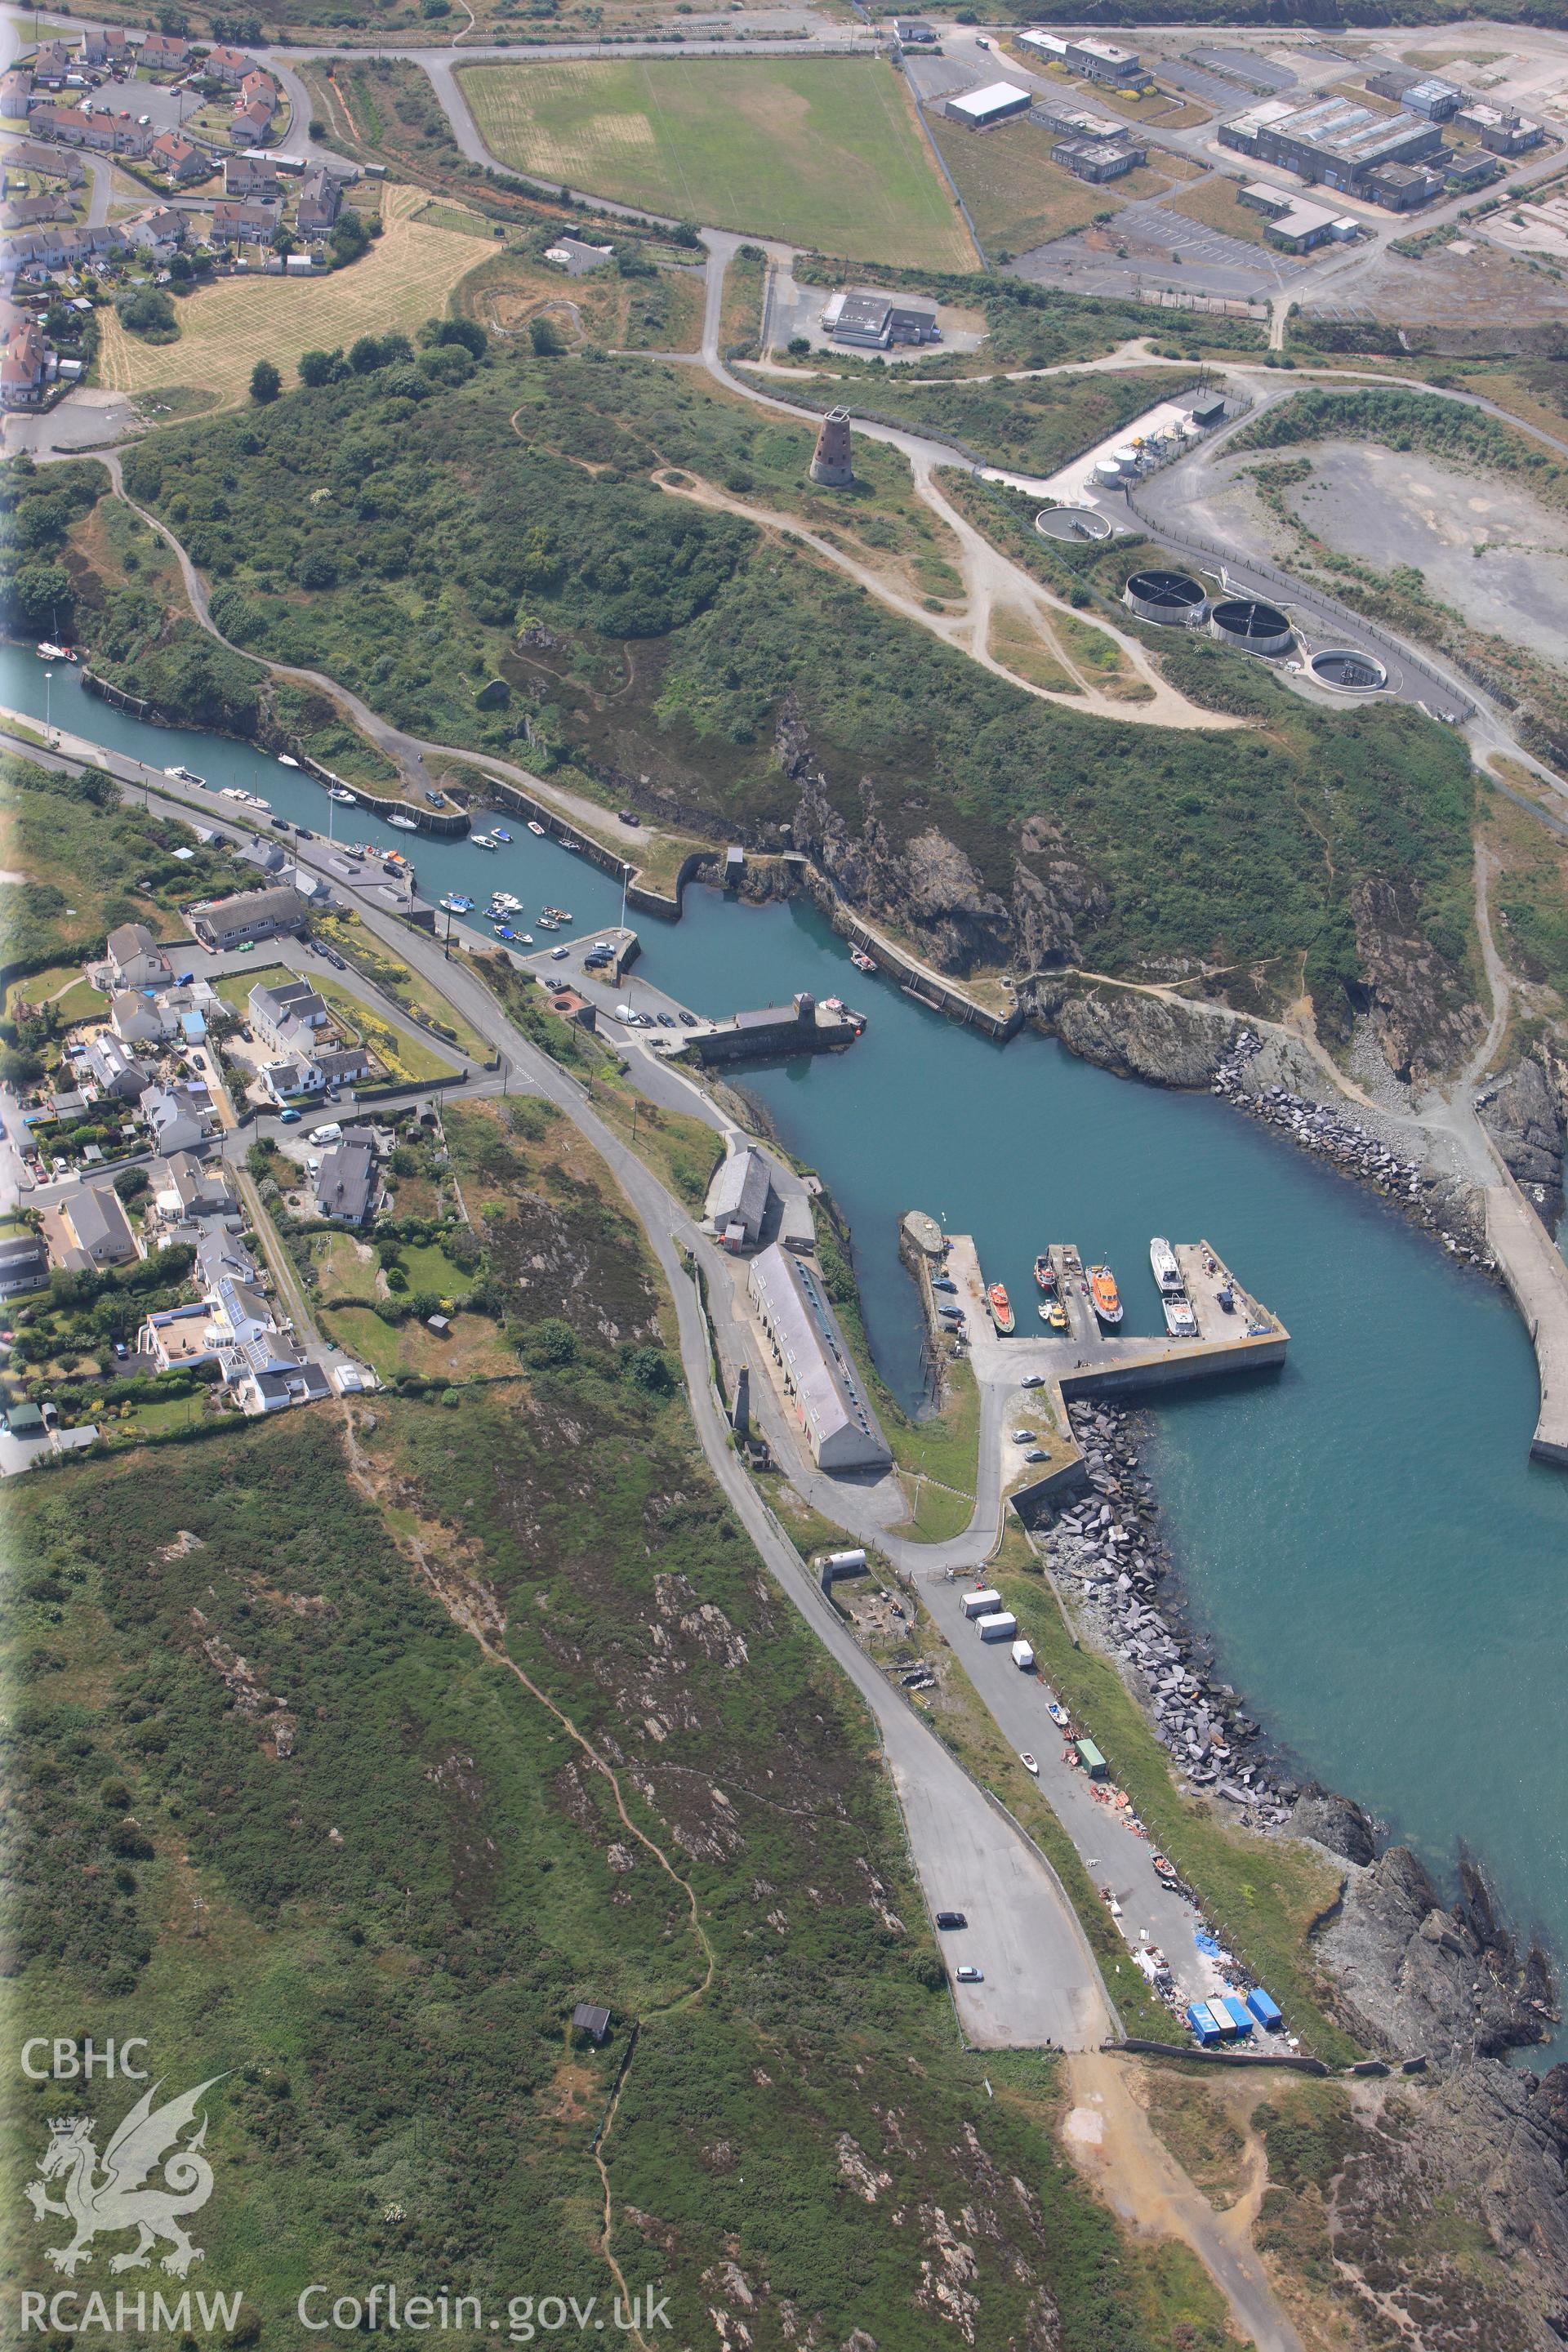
<point x="822" y="152"/>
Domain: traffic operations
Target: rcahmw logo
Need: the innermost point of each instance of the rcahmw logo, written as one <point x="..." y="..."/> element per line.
<point x="149" y="2179"/>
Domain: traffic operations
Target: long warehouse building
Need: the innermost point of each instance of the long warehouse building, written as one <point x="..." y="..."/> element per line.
<point x="820" y="1381"/>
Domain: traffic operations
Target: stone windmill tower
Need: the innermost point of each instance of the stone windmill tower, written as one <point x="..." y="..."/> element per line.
<point x="830" y="464"/>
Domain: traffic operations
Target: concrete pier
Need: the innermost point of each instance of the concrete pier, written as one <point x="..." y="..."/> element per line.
<point x="1536" y="1276"/>
<point x="1089" y="1361"/>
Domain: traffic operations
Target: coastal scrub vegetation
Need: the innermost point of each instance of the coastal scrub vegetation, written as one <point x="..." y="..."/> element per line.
<point x="281" y="1812"/>
<point x="434" y="525"/>
<point x="1411" y="420"/>
<point x="1035" y="426"/>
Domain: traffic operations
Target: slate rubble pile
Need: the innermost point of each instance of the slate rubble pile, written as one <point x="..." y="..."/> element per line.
<point x="1319" y="1128"/>
<point x="1108" y="1544"/>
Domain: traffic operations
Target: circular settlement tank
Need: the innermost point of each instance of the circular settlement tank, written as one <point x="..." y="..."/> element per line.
<point x="1348" y="670"/>
<point x="1072" y="523"/>
<point x="1172" y="600"/>
<point x="1252" y="627"/>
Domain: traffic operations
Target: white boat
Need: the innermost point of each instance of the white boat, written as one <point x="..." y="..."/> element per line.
<point x="534" y="826"/>
<point x="481" y="841"/>
<point x="232" y="792"/>
<point x="1028" y="1763"/>
<point x="1180" y="1321"/>
<point x="187" y="776"/>
<point x="501" y="833"/>
<point x="527" y="937"/>
<point x="256" y="800"/>
<point x="403" y="824"/>
<point x="1167" y="1273"/>
<point x="284" y="760"/>
<point x="344" y="800"/>
<point x="57" y="652"/>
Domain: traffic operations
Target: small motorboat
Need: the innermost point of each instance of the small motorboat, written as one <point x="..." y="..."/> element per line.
<point x="527" y="937"/>
<point x="861" y="960"/>
<point x="504" y="931"/>
<point x="1058" y="1714"/>
<point x="284" y="760"/>
<point x="403" y="824"/>
<point x="480" y="841"/>
<point x="454" y="903"/>
<point x="548" y="923"/>
<point x="1028" y="1763"/>
<point x="1164" y="1869"/>
<point x="187" y="776"/>
<point x="1055" y="1315"/>
<point x="499" y="833"/>
<point x="534" y="826"/>
<point x="344" y="799"/>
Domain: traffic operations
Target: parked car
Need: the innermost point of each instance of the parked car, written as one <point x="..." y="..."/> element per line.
<point x="557" y="955"/>
<point x="688" y="1020"/>
<point x="289" y="1118"/>
<point x="1033" y="1380"/>
<point x="971" y="1974"/>
<point x="951" y="1919"/>
<point x="630" y="816"/>
<point x="667" y="1020"/>
<point x="944" y="1282"/>
<point x="1022" y="1437"/>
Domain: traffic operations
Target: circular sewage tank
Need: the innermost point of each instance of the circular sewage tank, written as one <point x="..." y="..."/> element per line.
<point x="1172" y="600"/>
<point x="1252" y="627"/>
<point x="1348" y="670"/>
<point x="1073" y="523"/>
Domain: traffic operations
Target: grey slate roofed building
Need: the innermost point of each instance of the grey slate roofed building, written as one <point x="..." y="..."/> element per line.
<point x="24" y="1264"/>
<point x="740" y="1195"/>
<point x="96" y="1220"/>
<point x="345" y="1184"/>
<point x="249" y="915"/>
<point x="820" y="1381"/>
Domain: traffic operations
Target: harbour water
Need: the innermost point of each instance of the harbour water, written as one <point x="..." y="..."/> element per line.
<point x="1378" y="1565"/>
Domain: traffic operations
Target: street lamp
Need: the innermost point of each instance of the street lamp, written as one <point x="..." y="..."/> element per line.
<point x="49" y="730"/>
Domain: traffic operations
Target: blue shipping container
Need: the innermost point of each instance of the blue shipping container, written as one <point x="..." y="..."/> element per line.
<point x="1265" y="2010"/>
<point x="1239" y="2014"/>
<point x="1203" y="2024"/>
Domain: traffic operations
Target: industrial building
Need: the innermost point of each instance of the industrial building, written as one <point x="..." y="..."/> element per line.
<point x="1096" y="160"/>
<point x="1294" y="225"/>
<point x="1501" y="131"/>
<point x="914" y="32"/>
<point x="1331" y="141"/>
<point x="1066" y="121"/>
<point x="983" y="110"/>
<point x="1101" y="61"/>
<point x="1402" y="187"/>
<point x="820" y="1383"/>
<point x="874" y="320"/>
<point x="1418" y="93"/>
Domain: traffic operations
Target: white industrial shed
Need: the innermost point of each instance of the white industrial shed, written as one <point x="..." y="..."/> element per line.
<point x="998" y="101"/>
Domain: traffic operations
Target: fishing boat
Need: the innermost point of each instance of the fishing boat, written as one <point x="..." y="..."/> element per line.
<point x="480" y="841"/>
<point x="560" y="914"/>
<point x="403" y="824"/>
<point x="499" y="833"/>
<point x="1167" y="1273"/>
<point x="1028" y="1762"/>
<point x="1001" y="1307"/>
<point x="344" y="799"/>
<point x="534" y="826"/>
<point x="1045" y="1275"/>
<point x="504" y="931"/>
<point x="861" y="960"/>
<point x="1180" y="1321"/>
<point x="284" y="761"/>
<point x="1104" y="1295"/>
<point x="454" y="903"/>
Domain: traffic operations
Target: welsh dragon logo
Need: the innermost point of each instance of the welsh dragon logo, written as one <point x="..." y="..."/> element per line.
<point x="107" y="2194"/>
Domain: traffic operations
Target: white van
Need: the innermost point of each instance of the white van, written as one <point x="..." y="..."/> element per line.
<point x="330" y="1133"/>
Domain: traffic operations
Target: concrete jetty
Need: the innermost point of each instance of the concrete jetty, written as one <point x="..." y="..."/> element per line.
<point x="1087" y="1360"/>
<point x="804" y="1026"/>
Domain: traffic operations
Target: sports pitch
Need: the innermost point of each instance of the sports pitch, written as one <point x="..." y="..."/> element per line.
<point x="823" y="153"/>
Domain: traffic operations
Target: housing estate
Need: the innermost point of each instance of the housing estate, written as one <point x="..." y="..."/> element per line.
<point x="174" y="153"/>
<point x="820" y="1383"/>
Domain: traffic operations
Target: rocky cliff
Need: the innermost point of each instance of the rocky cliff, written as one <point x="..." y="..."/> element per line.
<point x="1425" y="1023"/>
<point x="1525" y="1120"/>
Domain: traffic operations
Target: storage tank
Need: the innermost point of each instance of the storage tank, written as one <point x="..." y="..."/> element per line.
<point x="1000" y="1626"/>
<point x="845" y="1561"/>
<point x="1348" y="669"/>
<point x="1125" y="460"/>
<point x="1172" y="600"/>
<point x="1251" y="627"/>
<point x="980" y="1604"/>
<point x="1107" y="470"/>
<point x="1073" y="522"/>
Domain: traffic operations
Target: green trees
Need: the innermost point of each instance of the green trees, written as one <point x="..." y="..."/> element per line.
<point x="147" y="312"/>
<point x="266" y="383"/>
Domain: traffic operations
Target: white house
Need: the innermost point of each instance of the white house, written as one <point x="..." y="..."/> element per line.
<point x="135" y="960"/>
